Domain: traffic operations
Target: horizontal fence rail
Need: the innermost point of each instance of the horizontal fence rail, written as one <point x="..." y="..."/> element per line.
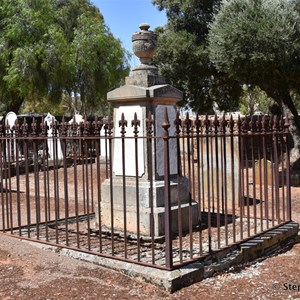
<point x="160" y="193"/>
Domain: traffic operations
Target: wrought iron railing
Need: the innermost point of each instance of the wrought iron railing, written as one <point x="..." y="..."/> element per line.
<point x="160" y="200"/>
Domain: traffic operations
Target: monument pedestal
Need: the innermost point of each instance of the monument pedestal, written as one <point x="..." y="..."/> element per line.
<point x="147" y="202"/>
<point x="144" y="94"/>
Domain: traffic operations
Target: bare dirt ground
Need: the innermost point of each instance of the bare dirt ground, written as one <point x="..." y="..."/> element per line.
<point x="28" y="272"/>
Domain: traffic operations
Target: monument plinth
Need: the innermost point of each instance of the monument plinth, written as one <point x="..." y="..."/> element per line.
<point x="144" y="93"/>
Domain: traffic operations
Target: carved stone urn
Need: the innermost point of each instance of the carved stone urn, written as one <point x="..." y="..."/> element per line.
<point x="144" y="43"/>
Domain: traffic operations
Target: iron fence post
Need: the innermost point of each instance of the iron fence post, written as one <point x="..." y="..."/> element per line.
<point x="167" y="196"/>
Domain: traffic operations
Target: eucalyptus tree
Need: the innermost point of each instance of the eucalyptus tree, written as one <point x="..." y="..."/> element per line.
<point x="53" y="48"/>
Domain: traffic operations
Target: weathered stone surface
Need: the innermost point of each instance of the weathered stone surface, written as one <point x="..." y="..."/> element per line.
<point x="144" y="43"/>
<point x="144" y="221"/>
<point x="221" y="176"/>
<point x="159" y="131"/>
<point x="144" y="196"/>
<point x="264" y="168"/>
<point x="145" y="76"/>
<point x="159" y="94"/>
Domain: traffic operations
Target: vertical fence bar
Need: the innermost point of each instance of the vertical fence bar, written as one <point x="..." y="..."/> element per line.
<point x="167" y="196"/>
<point x="252" y="131"/>
<point x="86" y="126"/>
<point x="246" y="182"/>
<point x="211" y="155"/>
<point x="266" y="200"/>
<point x="187" y="124"/>
<point x="272" y="159"/>
<point x="43" y="161"/>
<point x="19" y="215"/>
<point x="241" y="177"/>
<point x="63" y="142"/>
<point x="224" y="181"/>
<point x="217" y="186"/>
<point x="36" y="177"/>
<point x="54" y="161"/>
<point x="109" y="133"/>
<point x="193" y="159"/>
<point x="149" y="129"/>
<point x="106" y="153"/>
<point x="75" y="132"/>
<point x="97" y="129"/>
<point x="231" y="133"/>
<point x="198" y="126"/>
<point x="276" y="166"/>
<point x="92" y="160"/>
<point x="177" y="124"/>
<point x="207" y="135"/>
<point x="123" y="124"/>
<point x="259" y="129"/>
<point x="26" y="154"/>
<point x="135" y="123"/>
<point x="12" y="144"/>
<point x="248" y="164"/>
<point x="8" y="195"/>
<point x="2" y="174"/>
<point x="82" y="161"/>
<point x="282" y="180"/>
<point x="288" y="191"/>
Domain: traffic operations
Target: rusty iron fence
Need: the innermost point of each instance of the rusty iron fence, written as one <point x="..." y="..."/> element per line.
<point x="221" y="181"/>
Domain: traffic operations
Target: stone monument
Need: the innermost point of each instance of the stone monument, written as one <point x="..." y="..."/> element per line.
<point x="144" y="93"/>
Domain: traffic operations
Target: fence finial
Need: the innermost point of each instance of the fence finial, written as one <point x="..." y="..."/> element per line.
<point x="149" y="124"/>
<point x="123" y="124"/>
<point x="135" y="123"/>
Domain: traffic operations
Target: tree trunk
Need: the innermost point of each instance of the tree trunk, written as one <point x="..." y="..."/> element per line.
<point x="15" y="105"/>
<point x="295" y="133"/>
<point x="284" y="99"/>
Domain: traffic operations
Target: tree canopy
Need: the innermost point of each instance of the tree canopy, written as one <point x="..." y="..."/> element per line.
<point x="258" y="42"/>
<point x="183" y="56"/>
<point x="55" y="49"/>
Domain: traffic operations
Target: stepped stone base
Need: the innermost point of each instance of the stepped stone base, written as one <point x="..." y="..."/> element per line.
<point x="145" y="207"/>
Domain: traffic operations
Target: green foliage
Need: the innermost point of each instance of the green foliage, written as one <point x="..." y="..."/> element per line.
<point x="254" y="100"/>
<point x="257" y="41"/>
<point x="53" y="48"/>
<point x="183" y="56"/>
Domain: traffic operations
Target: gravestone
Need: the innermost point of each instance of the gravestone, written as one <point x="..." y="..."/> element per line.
<point x="264" y="168"/>
<point x="220" y="168"/>
<point x="144" y="92"/>
<point x="55" y="154"/>
<point x="11" y="143"/>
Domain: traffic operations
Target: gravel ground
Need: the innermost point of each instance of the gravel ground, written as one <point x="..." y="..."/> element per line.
<point x="28" y="272"/>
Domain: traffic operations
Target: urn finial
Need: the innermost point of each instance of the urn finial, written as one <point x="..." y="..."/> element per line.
<point x="144" y="43"/>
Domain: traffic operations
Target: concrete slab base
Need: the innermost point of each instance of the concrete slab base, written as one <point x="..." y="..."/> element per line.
<point x="257" y="247"/>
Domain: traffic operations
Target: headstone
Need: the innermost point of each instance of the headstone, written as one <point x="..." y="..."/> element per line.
<point x="144" y="93"/>
<point x="11" y="144"/>
<point x="55" y="154"/>
<point x="219" y="170"/>
<point x="263" y="172"/>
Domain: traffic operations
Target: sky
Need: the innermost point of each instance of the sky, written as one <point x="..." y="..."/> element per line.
<point x="123" y="17"/>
